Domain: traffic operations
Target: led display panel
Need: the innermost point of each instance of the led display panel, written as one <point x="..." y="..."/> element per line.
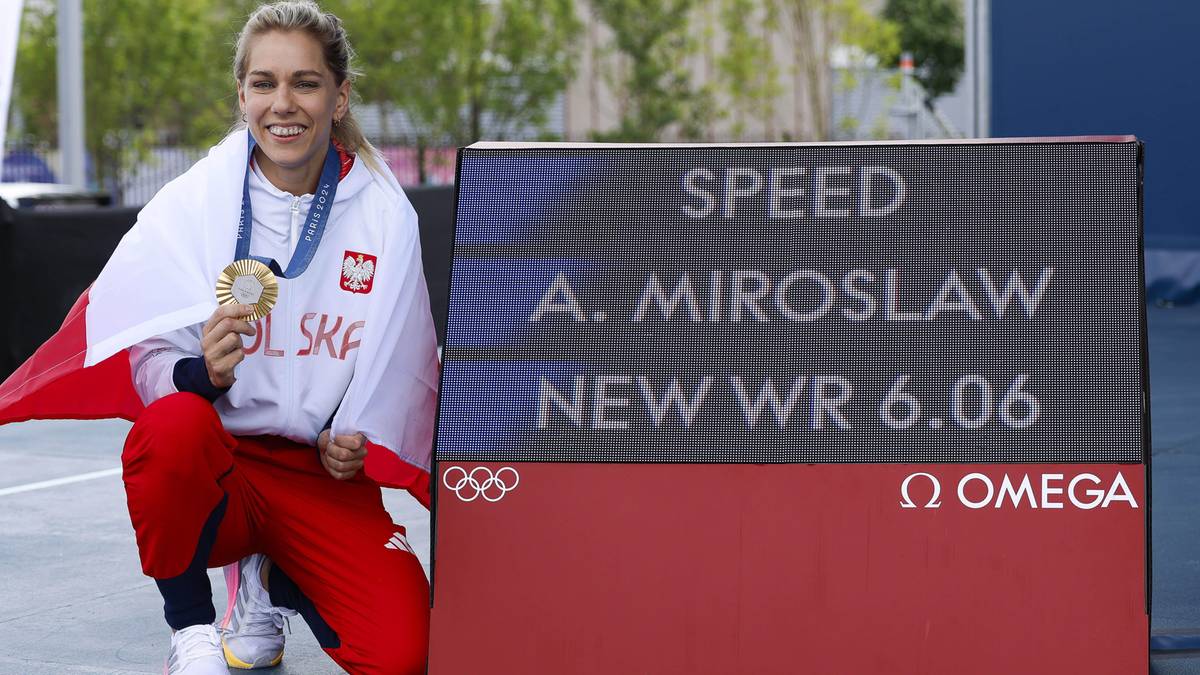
<point x="933" y="302"/>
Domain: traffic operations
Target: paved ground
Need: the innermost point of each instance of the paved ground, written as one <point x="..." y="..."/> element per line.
<point x="1175" y="476"/>
<point x="1175" y="468"/>
<point x="72" y="595"/>
<point x="73" y="599"/>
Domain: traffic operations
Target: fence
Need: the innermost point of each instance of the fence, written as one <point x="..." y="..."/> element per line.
<point x="26" y="162"/>
<point x="870" y="103"/>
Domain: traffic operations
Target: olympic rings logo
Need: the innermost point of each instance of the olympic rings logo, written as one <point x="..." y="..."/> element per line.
<point x="471" y="485"/>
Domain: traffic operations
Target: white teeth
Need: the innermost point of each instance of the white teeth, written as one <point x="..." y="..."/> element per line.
<point x="284" y="131"/>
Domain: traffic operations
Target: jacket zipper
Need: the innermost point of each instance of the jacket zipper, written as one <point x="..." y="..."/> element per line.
<point x="287" y="354"/>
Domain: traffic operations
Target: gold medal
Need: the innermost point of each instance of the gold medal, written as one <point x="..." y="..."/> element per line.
<point x="248" y="282"/>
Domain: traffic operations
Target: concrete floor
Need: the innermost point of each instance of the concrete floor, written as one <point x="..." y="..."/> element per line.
<point x="73" y="599"/>
<point x="1175" y="475"/>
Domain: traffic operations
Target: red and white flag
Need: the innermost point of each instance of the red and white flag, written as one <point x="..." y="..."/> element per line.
<point x="160" y="279"/>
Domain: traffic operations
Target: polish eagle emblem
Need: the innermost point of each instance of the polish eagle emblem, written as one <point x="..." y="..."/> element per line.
<point x="358" y="271"/>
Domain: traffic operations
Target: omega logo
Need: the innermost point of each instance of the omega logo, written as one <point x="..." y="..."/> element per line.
<point x="977" y="491"/>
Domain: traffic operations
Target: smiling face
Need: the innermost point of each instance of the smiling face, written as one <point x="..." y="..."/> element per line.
<point x="290" y="98"/>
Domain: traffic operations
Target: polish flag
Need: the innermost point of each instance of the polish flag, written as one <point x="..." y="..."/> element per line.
<point x="54" y="384"/>
<point x="159" y="279"/>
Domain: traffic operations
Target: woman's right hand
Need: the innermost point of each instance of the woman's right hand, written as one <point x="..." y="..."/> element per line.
<point x="222" y="344"/>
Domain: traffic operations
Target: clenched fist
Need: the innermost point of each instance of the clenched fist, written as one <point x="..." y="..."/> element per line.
<point x="342" y="456"/>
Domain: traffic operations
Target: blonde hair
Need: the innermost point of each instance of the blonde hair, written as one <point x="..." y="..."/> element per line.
<point x="326" y="29"/>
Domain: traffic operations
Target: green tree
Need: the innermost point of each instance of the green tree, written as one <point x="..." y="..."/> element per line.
<point x="655" y="85"/>
<point x="153" y="72"/>
<point x="461" y="69"/>
<point x="464" y="68"/>
<point x="746" y="65"/>
<point x="932" y="30"/>
<point x="815" y="27"/>
<point x="376" y="44"/>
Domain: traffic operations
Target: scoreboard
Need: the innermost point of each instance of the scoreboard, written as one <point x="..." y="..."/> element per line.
<point x="794" y="408"/>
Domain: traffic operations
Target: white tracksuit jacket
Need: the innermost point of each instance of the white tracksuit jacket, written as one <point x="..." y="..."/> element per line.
<point x="301" y="359"/>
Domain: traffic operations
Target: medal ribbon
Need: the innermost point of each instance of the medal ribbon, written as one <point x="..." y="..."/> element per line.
<point x="314" y="224"/>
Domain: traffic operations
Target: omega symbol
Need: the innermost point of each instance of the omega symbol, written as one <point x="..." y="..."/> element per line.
<point x="933" y="502"/>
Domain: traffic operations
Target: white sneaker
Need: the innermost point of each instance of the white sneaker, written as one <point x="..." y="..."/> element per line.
<point x="252" y="630"/>
<point x="196" y="650"/>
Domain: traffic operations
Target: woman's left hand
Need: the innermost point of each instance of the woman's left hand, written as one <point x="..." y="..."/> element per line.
<point x="342" y="456"/>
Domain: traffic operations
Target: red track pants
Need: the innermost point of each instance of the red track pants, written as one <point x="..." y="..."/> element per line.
<point x="329" y="536"/>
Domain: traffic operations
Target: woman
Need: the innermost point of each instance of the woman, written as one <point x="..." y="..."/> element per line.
<point x="254" y="438"/>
